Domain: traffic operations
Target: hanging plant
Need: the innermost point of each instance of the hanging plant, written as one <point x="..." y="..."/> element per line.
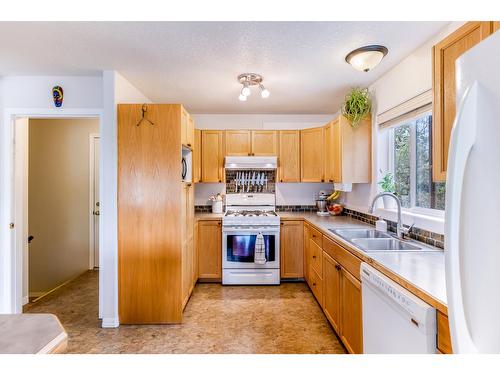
<point x="357" y="106"/>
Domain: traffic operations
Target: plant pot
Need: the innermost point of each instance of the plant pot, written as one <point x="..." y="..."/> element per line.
<point x="389" y="202"/>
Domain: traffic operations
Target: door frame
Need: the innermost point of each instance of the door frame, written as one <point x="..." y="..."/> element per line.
<point x="92" y="138"/>
<point x="11" y="255"/>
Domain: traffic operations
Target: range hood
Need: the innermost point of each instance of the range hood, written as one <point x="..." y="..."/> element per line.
<point x="251" y="162"/>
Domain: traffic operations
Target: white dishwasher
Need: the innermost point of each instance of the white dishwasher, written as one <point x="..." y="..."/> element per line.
<point x="394" y="320"/>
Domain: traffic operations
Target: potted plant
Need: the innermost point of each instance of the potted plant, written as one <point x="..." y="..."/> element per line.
<point x="357" y="106"/>
<point x="387" y="185"/>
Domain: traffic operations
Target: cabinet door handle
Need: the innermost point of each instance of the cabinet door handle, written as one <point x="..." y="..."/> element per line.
<point x="330" y="180"/>
<point x="337" y="267"/>
<point x="189" y="144"/>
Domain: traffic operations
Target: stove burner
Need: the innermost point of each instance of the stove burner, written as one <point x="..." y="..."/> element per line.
<point x="250" y="213"/>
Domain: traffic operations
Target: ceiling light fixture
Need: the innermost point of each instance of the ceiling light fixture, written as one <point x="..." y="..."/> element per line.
<point x="248" y="80"/>
<point x="366" y="58"/>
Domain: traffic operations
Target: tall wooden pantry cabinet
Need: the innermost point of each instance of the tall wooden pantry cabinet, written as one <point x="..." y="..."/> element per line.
<point x="154" y="205"/>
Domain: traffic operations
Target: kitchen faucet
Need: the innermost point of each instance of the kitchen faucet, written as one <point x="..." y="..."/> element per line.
<point x="401" y="231"/>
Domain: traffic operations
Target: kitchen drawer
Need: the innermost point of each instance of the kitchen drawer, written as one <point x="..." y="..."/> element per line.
<point x="316" y="236"/>
<point x="443" y="334"/>
<point x="316" y="285"/>
<point x="316" y="257"/>
<point x="347" y="260"/>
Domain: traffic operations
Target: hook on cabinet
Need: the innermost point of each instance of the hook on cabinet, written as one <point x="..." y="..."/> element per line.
<point x="143" y="118"/>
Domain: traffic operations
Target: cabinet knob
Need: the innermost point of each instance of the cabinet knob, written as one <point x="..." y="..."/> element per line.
<point x="314" y="236"/>
<point x="322" y="180"/>
<point x="189" y="144"/>
<point x="219" y="224"/>
<point x="281" y="180"/>
<point x="220" y="180"/>
<point x="330" y="180"/>
<point x="314" y="256"/>
<point x="314" y="284"/>
<point x="337" y="267"/>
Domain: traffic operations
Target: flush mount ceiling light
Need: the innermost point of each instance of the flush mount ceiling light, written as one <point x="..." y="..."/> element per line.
<point x="248" y="80"/>
<point x="366" y="58"/>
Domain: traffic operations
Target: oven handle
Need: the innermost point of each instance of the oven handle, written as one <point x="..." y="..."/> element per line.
<point x="264" y="230"/>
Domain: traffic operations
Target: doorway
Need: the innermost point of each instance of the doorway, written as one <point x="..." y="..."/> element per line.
<point x="57" y="161"/>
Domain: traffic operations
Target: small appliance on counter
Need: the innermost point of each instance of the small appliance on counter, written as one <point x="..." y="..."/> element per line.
<point x="321" y="204"/>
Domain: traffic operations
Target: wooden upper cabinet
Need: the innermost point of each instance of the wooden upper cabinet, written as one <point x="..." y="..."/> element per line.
<point x="496" y="26"/>
<point x="289" y="156"/>
<point x="212" y="157"/>
<point x="251" y="143"/>
<point x="351" y="331"/>
<point x="209" y="247"/>
<point x="331" y="290"/>
<point x="197" y="156"/>
<point x="292" y="249"/>
<point x="312" y="155"/>
<point x="264" y="143"/>
<point x="445" y="53"/>
<point x="190" y="132"/>
<point x="349" y="159"/>
<point x="238" y="143"/>
<point x="328" y="138"/>
<point x="187" y="128"/>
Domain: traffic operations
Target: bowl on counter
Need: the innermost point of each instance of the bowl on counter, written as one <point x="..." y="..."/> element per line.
<point x="335" y="209"/>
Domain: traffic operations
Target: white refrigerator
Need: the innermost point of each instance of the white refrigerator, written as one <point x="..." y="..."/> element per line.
<point x="472" y="229"/>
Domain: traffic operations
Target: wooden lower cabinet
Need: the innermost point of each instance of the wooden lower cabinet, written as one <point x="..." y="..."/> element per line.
<point x="443" y="334"/>
<point x="306" y="251"/>
<point x="292" y="249"/>
<point x="209" y="250"/>
<point x="351" y="331"/>
<point x="331" y="290"/>
<point x="316" y="285"/>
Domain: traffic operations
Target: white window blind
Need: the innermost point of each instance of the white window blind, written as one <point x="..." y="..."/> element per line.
<point x="407" y="110"/>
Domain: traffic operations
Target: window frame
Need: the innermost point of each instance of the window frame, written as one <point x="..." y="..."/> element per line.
<point x="413" y="166"/>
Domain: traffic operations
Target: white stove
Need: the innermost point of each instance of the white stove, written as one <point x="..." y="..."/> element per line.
<point x="250" y="219"/>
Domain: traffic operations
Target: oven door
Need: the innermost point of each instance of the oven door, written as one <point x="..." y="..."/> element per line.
<point x="238" y="247"/>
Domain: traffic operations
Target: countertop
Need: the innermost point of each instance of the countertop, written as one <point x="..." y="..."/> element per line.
<point x="31" y="334"/>
<point x="422" y="273"/>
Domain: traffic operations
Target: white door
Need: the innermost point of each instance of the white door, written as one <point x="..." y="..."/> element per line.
<point x="96" y="202"/>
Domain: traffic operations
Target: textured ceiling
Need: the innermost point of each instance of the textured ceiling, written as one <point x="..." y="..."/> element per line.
<point x="196" y="63"/>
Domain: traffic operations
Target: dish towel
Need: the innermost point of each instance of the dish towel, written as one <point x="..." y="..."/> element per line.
<point x="260" y="250"/>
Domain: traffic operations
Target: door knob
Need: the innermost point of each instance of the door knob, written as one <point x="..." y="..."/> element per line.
<point x="96" y="213"/>
<point x="30" y="238"/>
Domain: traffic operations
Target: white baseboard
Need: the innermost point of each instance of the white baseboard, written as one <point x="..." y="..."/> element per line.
<point x="36" y="294"/>
<point x="110" y="323"/>
<point x="26" y="299"/>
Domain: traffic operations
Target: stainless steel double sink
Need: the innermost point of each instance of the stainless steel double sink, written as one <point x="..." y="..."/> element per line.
<point x="371" y="240"/>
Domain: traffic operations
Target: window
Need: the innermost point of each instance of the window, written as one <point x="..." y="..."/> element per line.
<point x="411" y="156"/>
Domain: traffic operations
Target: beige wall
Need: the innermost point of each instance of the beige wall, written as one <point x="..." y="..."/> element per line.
<point x="58" y="200"/>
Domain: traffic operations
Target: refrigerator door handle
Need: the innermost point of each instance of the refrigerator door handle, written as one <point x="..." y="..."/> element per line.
<point x="463" y="137"/>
